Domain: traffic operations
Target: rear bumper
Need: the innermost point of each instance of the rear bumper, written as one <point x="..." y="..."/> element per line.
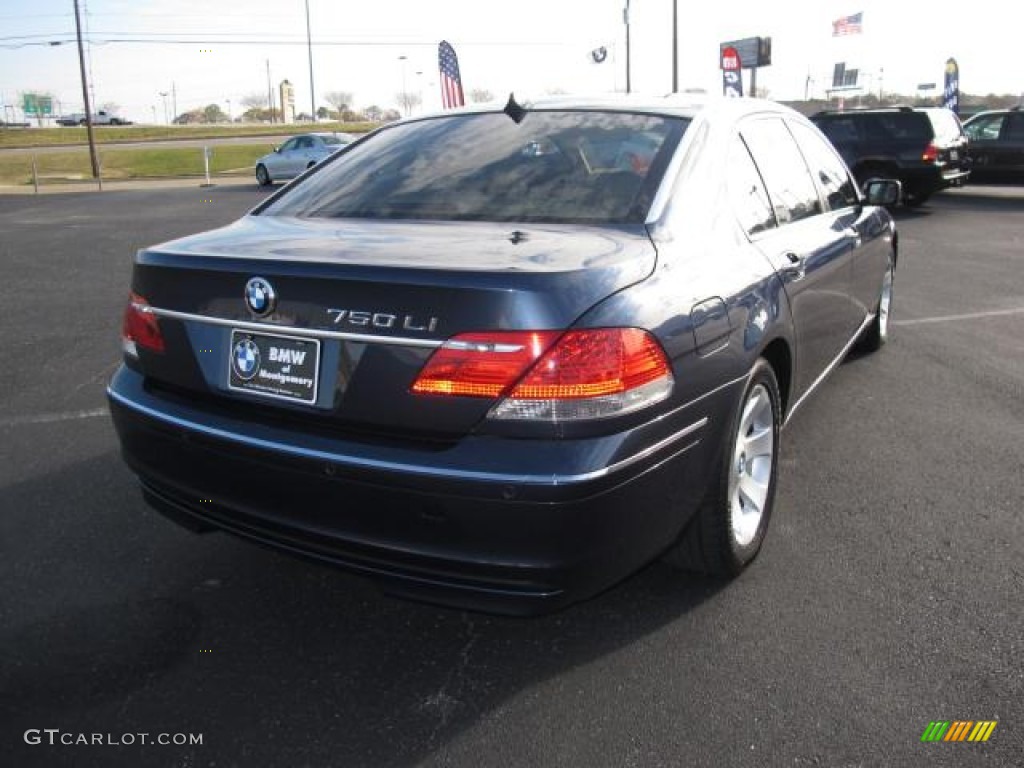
<point x="931" y="179"/>
<point x="514" y="526"/>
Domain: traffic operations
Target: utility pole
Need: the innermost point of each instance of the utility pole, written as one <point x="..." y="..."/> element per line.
<point x="312" y="90"/>
<point x="675" y="46"/>
<point x="85" y="96"/>
<point x="625" y="19"/>
<point x="174" y="100"/>
<point x="270" y="93"/>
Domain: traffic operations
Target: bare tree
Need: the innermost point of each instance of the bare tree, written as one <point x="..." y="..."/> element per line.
<point x="254" y="100"/>
<point x="340" y="100"/>
<point x="373" y="113"/>
<point x="110" y="107"/>
<point x="480" y="95"/>
<point x="408" y="100"/>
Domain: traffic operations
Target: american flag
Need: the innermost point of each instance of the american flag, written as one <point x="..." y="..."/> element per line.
<point x="848" y="25"/>
<point x="451" y="82"/>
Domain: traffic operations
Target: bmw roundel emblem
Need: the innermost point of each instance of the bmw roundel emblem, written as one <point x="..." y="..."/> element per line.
<point x="245" y="359"/>
<point x="260" y="297"/>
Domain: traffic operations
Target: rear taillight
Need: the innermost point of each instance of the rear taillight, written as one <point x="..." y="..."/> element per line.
<point x="585" y="374"/>
<point x="930" y="154"/>
<point x="481" y="364"/>
<point x="140" y="328"/>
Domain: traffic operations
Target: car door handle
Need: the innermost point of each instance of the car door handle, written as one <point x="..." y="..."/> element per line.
<point x="797" y="267"/>
<point x="855" y="236"/>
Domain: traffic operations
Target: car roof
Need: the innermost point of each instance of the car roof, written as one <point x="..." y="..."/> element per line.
<point x="1005" y="111"/>
<point x="687" y="105"/>
<point x="854" y="111"/>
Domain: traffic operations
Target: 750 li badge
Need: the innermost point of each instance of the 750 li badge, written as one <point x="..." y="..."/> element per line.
<point x="386" y="320"/>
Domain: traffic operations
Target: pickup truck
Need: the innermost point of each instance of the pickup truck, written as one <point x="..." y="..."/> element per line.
<point x="99" y="118"/>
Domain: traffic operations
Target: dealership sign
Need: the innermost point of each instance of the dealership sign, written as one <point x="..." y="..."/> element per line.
<point x="732" y="73"/>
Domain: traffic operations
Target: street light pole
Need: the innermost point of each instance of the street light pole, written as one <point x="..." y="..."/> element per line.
<point x="163" y="95"/>
<point x="312" y="89"/>
<point x="405" y="92"/>
<point x="625" y="18"/>
<point x="675" y="46"/>
<point x="85" y="96"/>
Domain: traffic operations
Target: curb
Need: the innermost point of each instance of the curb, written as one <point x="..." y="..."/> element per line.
<point x="115" y="185"/>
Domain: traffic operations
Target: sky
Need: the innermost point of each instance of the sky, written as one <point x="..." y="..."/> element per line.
<point x="531" y="47"/>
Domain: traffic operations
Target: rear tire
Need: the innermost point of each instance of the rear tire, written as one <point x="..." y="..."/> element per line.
<point x="877" y="334"/>
<point x="728" y="529"/>
<point x="263" y="176"/>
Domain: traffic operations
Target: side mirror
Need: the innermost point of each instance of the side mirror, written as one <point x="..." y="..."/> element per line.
<point x="882" y="191"/>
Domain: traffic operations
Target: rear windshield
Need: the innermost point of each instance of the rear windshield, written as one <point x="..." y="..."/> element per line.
<point x="573" y="167"/>
<point x="946" y="125"/>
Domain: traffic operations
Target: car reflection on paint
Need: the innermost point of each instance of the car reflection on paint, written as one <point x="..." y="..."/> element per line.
<point x="298" y="154"/>
<point x="502" y="359"/>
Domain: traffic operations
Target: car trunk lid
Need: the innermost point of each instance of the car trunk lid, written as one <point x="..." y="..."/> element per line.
<point x="360" y="305"/>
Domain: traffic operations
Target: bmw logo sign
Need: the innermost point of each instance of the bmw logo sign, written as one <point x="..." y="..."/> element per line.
<point x="245" y="359"/>
<point x="260" y="297"/>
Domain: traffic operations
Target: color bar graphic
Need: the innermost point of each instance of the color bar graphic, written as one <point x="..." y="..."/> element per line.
<point x="959" y="730"/>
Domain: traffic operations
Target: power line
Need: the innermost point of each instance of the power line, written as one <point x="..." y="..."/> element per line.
<point x="152" y="38"/>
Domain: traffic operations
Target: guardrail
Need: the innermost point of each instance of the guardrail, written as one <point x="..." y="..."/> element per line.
<point x="206" y="164"/>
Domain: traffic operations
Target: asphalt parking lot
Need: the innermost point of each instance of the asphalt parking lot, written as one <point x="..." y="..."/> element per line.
<point x="888" y="594"/>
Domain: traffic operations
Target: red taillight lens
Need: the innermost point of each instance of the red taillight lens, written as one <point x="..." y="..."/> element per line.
<point x="481" y="364"/>
<point x="140" y="328"/>
<point x="592" y="363"/>
<point x="586" y="374"/>
<point x="930" y="154"/>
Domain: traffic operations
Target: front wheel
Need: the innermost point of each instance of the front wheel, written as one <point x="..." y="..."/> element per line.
<point x="262" y="176"/>
<point x="727" y="531"/>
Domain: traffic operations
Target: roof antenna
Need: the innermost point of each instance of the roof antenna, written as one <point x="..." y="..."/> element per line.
<point x="514" y="110"/>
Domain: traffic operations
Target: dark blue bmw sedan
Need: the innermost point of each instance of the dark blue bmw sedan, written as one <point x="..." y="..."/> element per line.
<point x="502" y="359"/>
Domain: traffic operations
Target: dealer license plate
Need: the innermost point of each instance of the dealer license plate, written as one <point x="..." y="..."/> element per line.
<point x="281" y="367"/>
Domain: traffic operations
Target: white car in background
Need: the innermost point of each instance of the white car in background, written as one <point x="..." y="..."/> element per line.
<point x="297" y="154"/>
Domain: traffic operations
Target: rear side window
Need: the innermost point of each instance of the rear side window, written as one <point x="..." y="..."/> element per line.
<point x="1015" y="130"/>
<point x="572" y="166"/>
<point x="746" y="191"/>
<point x="908" y="126"/>
<point x="790" y="188"/>
<point x="826" y="167"/>
<point x="839" y="129"/>
<point x="985" y="128"/>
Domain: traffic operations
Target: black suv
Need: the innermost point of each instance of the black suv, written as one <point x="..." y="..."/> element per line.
<point x="997" y="144"/>
<point x="925" y="149"/>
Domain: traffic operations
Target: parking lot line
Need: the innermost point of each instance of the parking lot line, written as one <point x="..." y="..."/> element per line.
<point x="52" y="418"/>
<point x="952" y="318"/>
